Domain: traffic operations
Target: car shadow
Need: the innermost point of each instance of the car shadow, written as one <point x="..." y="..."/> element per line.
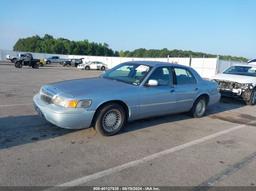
<point x="19" y="130"/>
<point x="226" y="104"/>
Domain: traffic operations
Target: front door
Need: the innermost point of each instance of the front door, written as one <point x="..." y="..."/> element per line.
<point x="160" y="99"/>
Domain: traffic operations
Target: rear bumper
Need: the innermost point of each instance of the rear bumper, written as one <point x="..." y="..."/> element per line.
<point x="214" y="99"/>
<point x="67" y="118"/>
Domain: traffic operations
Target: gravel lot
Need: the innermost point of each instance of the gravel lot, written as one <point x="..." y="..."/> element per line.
<point x="176" y="150"/>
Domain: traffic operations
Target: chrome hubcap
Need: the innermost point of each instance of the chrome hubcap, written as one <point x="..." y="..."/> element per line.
<point x="112" y="120"/>
<point x="200" y="108"/>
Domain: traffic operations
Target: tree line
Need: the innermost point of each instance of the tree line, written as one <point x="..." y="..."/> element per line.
<point x="51" y="45"/>
<point x="176" y="53"/>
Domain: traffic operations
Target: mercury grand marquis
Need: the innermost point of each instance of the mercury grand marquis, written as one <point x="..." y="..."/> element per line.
<point x="127" y="92"/>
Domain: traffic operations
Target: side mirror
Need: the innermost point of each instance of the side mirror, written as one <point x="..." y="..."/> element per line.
<point x="152" y="83"/>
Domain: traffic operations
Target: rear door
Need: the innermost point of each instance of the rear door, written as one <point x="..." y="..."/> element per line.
<point x="185" y="87"/>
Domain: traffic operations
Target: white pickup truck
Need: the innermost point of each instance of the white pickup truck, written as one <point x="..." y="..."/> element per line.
<point x="13" y="59"/>
<point x="238" y="81"/>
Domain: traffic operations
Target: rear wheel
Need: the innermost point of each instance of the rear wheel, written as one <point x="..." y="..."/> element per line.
<point x="199" y="108"/>
<point x="110" y="119"/>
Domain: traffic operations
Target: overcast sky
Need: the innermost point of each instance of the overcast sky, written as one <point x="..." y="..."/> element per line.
<point x="212" y="26"/>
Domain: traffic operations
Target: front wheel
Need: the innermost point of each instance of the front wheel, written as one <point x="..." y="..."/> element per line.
<point x="103" y="68"/>
<point x="199" y="108"/>
<point x="252" y="100"/>
<point x="110" y="119"/>
<point x="87" y="67"/>
<point x="18" y="64"/>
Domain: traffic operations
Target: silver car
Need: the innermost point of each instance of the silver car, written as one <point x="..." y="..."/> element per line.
<point x="127" y="92"/>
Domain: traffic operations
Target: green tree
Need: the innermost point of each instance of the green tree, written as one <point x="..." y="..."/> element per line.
<point x="49" y="44"/>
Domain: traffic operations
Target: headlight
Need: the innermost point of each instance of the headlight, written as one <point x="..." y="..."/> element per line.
<point x="247" y="86"/>
<point x="69" y="103"/>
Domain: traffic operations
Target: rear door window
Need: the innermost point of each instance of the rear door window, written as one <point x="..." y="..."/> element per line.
<point x="184" y="76"/>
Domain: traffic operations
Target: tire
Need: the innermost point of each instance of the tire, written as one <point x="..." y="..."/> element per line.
<point x="110" y="119"/>
<point x="87" y="68"/>
<point x="199" y="108"/>
<point x="103" y="68"/>
<point x="252" y="100"/>
<point x="18" y="64"/>
<point x="48" y="62"/>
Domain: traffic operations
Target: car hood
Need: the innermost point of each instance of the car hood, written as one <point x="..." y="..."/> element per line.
<point x="89" y="86"/>
<point x="235" y="78"/>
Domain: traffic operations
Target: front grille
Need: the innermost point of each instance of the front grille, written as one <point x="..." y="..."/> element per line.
<point x="46" y="96"/>
<point x="228" y="85"/>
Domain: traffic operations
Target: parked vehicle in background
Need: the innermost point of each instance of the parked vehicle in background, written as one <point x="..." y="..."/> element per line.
<point x="10" y="58"/>
<point x="253" y="61"/>
<point x="42" y="63"/>
<point x="95" y="65"/>
<point x="15" y="58"/>
<point x="27" y="60"/>
<point x="240" y="82"/>
<point x="54" y="59"/>
<point x="127" y="92"/>
<point x="72" y="62"/>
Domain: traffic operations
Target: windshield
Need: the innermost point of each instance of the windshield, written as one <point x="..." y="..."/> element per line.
<point x="241" y="70"/>
<point x="128" y="73"/>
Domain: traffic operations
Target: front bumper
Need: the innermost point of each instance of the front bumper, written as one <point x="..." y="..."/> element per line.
<point x="67" y="118"/>
<point x="240" y="94"/>
<point x="230" y="93"/>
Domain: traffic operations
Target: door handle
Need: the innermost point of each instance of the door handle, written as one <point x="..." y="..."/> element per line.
<point x="196" y="89"/>
<point x="171" y="91"/>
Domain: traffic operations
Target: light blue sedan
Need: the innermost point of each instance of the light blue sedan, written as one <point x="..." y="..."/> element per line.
<point x="127" y="92"/>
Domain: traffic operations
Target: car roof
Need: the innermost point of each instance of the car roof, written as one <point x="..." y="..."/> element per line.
<point x="253" y="60"/>
<point x="156" y="63"/>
